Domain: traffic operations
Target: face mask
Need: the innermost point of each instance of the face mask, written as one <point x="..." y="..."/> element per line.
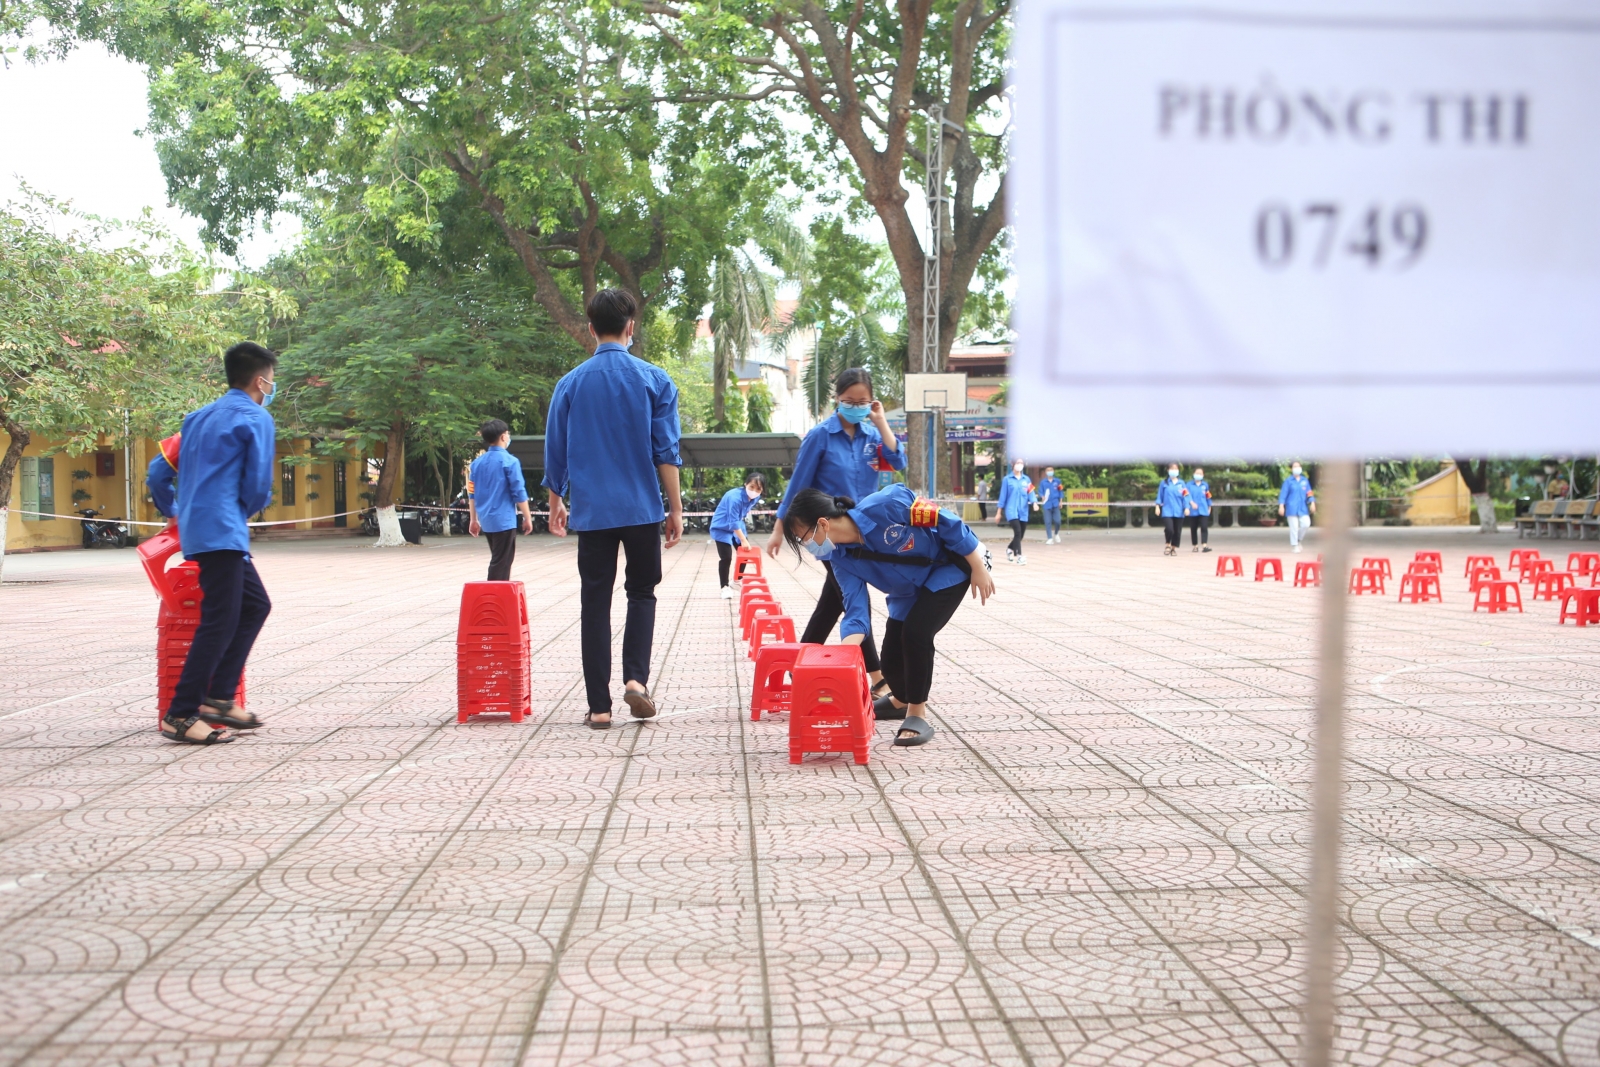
<point x="1173" y="475"/>
<point x="1049" y="474"/>
<point x="854" y="413"/>
<point x="1295" y="471"/>
<point x="822" y="551"/>
<point x="1017" y="469"/>
<point x="267" y="398"/>
<point x="1199" y="476"/>
<point x="753" y="493"/>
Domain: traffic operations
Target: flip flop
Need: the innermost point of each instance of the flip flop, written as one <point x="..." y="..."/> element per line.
<point x="924" y="732"/>
<point x="639" y="703"/>
<point x="588" y="717"/>
<point x="883" y="709"/>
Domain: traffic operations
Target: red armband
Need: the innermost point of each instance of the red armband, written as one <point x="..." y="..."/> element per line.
<point x="925" y="514"/>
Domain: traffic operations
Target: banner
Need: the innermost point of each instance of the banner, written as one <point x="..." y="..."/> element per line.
<point x="1275" y="230"/>
<point x="1087" y="503"/>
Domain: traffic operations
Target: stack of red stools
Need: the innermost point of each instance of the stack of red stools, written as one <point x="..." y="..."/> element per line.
<point x="831" y="705"/>
<point x="1420" y="583"/>
<point x="178" y="587"/>
<point x="492" y="665"/>
<point x="760" y="616"/>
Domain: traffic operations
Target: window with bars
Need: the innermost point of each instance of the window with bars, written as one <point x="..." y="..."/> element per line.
<point x="286" y="497"/>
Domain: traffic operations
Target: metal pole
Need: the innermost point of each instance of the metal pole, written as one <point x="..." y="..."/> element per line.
<point x="1322" y="926"/>
<point x="931" y="264"/>
<point x="127" y="468"/>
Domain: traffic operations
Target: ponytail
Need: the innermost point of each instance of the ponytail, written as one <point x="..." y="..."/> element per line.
<point x="806" y="508"/>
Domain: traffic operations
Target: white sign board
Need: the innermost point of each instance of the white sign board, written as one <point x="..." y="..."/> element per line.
<point x="1268" y="231"/>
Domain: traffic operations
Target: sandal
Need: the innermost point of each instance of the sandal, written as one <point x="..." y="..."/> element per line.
<point x="178" y="730"/>
<point x="880" y="690"/>
<point x="639" y="703"/>
<point x="588" y="717"/>
<point x="921" y="732"/>
<point x="884" y="708"/>
<point x="223" y="713"/>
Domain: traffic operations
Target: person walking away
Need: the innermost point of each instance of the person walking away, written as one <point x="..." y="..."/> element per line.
<point x="1172" y="498"/>
<point x="1050" y="490"/>
<point x="496" y="496"/>
<point x="227" y="452"/>
<point x="160" y="478"/>
<point x="1016" y="494"/>
<point x="611" y="444"/>
<point x="1297" y="503"/>
<point x="842" y="456"/>
<point x="1200" y="515"/>
<point x="727" y="524"/>
<point x="923" y="558"/>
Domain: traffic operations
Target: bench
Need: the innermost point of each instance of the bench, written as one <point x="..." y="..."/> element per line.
<point x="1557" y="520"/>
<point x="1540" y="512"/>
<point x="1584" y="514"/>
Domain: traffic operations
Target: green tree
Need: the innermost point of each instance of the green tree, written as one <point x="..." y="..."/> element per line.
<point x="102" y="321"/>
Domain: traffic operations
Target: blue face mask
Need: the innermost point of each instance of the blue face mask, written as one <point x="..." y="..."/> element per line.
<point x="267" y="398"/>
<point x="855" y="413"/>
<point x="822" y="551"/>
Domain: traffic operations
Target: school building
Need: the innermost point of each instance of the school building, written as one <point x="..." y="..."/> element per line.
<point x="109" y="478"/>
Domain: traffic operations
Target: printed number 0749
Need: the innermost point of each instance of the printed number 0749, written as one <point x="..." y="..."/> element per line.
<point x="1320" y="231"/>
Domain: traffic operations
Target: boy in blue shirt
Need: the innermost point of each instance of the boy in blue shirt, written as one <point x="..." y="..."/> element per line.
<point x="496" y="495"/>
<point x="727" y="524"/>
<point x="611" y="443"/>
<point x="226" y="453"/>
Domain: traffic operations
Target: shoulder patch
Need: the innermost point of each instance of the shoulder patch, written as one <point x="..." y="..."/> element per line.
<point x="925" y="513"/>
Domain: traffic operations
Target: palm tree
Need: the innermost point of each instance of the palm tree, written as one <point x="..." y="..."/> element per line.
<point x="742" y="306"/>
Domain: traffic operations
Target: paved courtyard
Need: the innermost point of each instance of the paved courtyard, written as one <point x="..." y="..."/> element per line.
<point x="1098" y="861"/>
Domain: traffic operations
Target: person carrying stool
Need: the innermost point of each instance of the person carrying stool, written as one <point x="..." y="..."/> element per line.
<point x="496" y="495"/>
<point x="1297" y="502"/>
<point x="727" y="524"/>
<point x="227" y="453"/>
<point x="1200" y="516"/>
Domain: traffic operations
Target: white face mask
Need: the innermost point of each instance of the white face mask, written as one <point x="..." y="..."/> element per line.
<point x="753" y="494"/>
<point x="1199" y="476"/>
<point x="1016" y="468"/>
<point x="1295" y="471"/>
<point x="1172" y="474"/>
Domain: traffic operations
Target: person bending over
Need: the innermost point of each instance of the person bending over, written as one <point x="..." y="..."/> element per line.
<point x="727" y="524"/>
<point x="922" y="558"/>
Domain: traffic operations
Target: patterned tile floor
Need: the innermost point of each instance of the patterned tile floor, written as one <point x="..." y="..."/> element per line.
<point x="1098" y="861"/>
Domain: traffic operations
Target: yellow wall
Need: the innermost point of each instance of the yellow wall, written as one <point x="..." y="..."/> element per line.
<point x="1445" y="502"/>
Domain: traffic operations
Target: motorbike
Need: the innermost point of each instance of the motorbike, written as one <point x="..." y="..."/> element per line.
<point x="112" y="533"/>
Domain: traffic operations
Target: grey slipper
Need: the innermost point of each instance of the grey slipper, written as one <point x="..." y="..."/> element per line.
<point x="924" y="732"/>
<point x="883" y="709"/>
<point x="639" y="703"/>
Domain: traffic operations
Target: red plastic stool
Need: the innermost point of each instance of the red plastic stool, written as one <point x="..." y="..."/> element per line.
<point x="1587" y="563"/>
<point x="1499" y="598"/>
<point x="1307" y="573"/>
<point x="779" y="627"/>
<point x="1532" y="568"/>
<point x="1580" y="605"/>
<point x="1227" y="565"/>
<point x="1364" y="580"/>
<point x="1551" y="584"/>
<point x="1267" y="563"/>
<point x="1484" y="574"/>
<point x="1419" y="588"/>
<point x="1423" y="566"/>
<point x="749" y="590"/>
<point x="493" y="672"/>
<point x="774" y="679"/>
<point x="1378" y="564"/>
<point x="832" y="702"/>
<point x="754" y="610"/>
<point x="1520" y="554"/>
<point x="744" y="557"/>
<point x="174" y="636"/>
<point x="1430" y="557"/>
<point x="1477" y="561"/>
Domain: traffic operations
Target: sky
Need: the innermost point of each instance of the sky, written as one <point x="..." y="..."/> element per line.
<point x="69" y="128"/>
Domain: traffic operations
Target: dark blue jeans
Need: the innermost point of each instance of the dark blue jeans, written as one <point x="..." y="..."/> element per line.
<point x="232" y="612"/>
<point x="1052" y="521"/>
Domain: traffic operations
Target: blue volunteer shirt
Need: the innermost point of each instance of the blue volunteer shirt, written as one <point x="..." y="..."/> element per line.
<point x="496" y="488"/>
<point x="884" y="519"/>
<point x="1016" y="493"/>
<point x="1296" y="495"/>
<point x="1050" y="493"/>
<point x="729" y="516"/>
<point x="159" y="478"/>
<point x="613" y="420"/>
<point x="227" y="458"/>
<point x="1172" y="498"/>
<point x="1200" y="497"/>
<point x="838" y="464"/>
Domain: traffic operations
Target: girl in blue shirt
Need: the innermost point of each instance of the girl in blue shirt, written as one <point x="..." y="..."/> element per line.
<point x="922" y="558"/>
<point x="842" y="456"/>
<point x="727" y="523"/>
<point x="1172" y="498"/>
<point x="1016" y="496"/>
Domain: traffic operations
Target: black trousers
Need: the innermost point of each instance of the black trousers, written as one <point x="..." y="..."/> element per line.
<point x="502" y="550"/>
<point x="1199" y="529"/>
<point x="597" y="575"/>
<point x="724" y="561"/>
<point x="830" y="605"/>
<point x="1174" y="531"/>
<point x="232" y="611"/>
<point x="1018" y="528"/>
<point x="908" y="643"/>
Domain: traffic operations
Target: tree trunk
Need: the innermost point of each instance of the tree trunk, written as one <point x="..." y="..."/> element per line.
<point x="394" y="465"/>
<point x="1477" y="482"/>
<point x="8" y="471"/>
<point x="449" y="490"/>
<point x="1487" y="523"/>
